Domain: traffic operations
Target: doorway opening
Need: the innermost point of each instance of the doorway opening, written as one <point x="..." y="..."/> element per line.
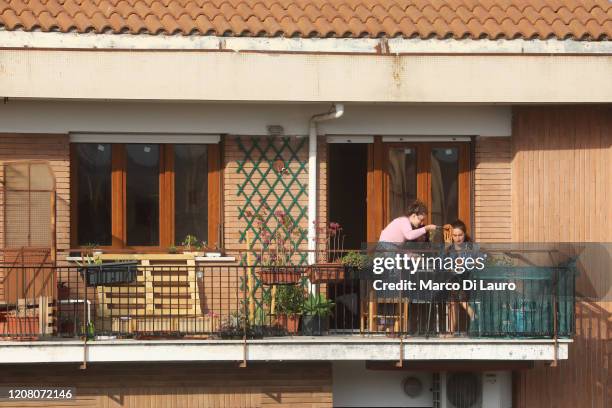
<point x="347" y="190"/>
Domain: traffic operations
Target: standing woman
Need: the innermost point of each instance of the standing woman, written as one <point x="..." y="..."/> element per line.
<point x="406" y="228"/>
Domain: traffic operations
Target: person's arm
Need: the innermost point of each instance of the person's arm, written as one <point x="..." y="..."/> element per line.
<point x="412" y="234"/>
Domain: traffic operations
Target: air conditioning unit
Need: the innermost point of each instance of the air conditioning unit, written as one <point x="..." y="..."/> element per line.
<point x="489" y="389"/>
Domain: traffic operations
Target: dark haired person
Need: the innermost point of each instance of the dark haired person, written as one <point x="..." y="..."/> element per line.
<point x="460" y="246"/>
<point x="407" y="228"/>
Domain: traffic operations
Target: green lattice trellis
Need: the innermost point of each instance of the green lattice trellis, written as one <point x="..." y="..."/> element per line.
<point x="264" y="187"/>
<point x="270" y="187"/>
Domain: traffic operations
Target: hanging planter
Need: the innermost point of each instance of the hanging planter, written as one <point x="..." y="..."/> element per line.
<point x="279" y="275"/>
<point x="326" y="273"/>
<point x="110" y="273"/>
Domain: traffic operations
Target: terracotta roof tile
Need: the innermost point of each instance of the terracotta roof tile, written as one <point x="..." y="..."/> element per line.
<point x="493" y="19"/>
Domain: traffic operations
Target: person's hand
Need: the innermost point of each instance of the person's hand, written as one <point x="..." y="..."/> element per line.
<point x="430" y="227"/>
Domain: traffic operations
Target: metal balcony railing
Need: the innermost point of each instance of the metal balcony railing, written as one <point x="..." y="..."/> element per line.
<point x="129" y="300"/>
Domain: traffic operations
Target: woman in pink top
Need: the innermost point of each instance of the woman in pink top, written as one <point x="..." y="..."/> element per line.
<point x="408" y="227"/>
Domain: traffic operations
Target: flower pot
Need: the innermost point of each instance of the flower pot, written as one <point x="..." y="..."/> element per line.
<point x="279" y="275"/>
<point x="21" y="327"/>
<point x="289" y="323"/>
<point x="315" y="325"/>
<point x="63" y="292"/>
<point x="326" y="273"/>
<point x="67" y="327"/>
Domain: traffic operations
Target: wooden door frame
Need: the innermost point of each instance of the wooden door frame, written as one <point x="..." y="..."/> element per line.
<point x="378" y="179"/>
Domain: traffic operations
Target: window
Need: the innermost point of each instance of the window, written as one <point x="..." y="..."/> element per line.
<point x="144" y="194"/>
<point x="29" y="191"/>
<point x="437" y="173"/>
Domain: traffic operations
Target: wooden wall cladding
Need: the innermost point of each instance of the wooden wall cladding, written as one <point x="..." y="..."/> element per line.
<point x="562" y="192"/>
<point x="180" y="385"/>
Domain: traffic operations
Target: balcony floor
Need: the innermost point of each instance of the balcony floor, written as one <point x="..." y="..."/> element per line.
<point x="298" y="348"/>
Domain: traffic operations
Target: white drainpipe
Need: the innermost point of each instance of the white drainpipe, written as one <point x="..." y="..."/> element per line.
<point x="338" y="110"/>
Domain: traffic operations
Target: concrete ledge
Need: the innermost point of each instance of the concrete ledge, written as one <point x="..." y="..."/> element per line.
<point x="283" y="349"/>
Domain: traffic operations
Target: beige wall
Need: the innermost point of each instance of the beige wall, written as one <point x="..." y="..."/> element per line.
<point x="562" y="191"/>
<point x="492" y="195"/>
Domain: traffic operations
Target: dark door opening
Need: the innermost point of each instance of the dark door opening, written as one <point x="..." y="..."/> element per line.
<point x="347" y="190"/>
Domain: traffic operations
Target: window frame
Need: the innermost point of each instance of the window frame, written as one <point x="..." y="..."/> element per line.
<point x="166" y="197"/>
<point x="378" y="180"/>
<point x="29" y="190"/>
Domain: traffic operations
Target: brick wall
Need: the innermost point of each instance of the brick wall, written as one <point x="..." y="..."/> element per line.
<point x="234" y="199"/>
<point x="492" y="186"/>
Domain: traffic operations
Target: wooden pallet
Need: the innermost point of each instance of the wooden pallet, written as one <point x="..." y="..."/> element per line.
<point x="162" y="288"/>
<point x="183" y="324"/>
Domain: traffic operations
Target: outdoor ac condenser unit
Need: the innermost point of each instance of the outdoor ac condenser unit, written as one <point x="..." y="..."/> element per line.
<point x="489" y="389"/>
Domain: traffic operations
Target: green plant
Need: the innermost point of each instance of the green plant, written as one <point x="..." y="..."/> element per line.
<point x="355" y="259"/>
<point x="289" y="299"/>
<point x="190" y="241"/>
<point x="317" y="305"/>
<point x="172" y="249"/>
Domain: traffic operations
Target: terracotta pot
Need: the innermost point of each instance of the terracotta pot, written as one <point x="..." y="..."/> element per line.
<point x="288" y="322"/>
<point x="325" y="273"/>
<point x="22" y="328"/>
<point x="275" y="275"/>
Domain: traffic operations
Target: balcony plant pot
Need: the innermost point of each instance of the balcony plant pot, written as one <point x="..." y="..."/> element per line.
<point x="326" y="273"/>
<point x="288" y="323"/>
<point x="110" y="273"/>
<point x="315" y="315"/>
<point x="22" y="327"/>
<point x="63" y="291"/>
<point x="279" y="275"/>
<point x="315" y="325"/>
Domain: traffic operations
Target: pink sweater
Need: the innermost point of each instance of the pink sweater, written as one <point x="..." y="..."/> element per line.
<point x="400" y="230"/>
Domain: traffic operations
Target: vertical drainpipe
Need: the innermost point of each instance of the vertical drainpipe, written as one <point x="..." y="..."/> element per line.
<point x="335" y="113"/>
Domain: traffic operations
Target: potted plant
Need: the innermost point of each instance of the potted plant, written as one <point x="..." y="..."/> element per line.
<point x="279" y="236"/>
<point x="192" y="245"/>
<point x="63" y="291"/>
<point x="329" y="267"/>
<point x="288" y="306"/>
<point x="66" y="326"/>
<point x="355" y="261"/>
<point x="315" y="315"/>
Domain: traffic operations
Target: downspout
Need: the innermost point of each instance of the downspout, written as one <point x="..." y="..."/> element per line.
<point x="336" y="112"/>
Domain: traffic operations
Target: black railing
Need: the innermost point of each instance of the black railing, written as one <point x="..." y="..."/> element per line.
<point x="200" y="301"/>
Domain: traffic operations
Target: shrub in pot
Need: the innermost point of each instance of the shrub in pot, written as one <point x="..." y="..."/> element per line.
<point x="315" y="315"/>
<point x="288" y="307"/>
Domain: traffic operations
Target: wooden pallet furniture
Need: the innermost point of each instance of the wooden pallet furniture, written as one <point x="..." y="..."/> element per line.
<point x="166" y="287"/>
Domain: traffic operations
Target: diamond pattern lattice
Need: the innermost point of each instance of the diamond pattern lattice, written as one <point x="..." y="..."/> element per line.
<point x="263" y="185"/>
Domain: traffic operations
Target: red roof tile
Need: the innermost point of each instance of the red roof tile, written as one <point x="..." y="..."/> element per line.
<point x="492" y="19"/>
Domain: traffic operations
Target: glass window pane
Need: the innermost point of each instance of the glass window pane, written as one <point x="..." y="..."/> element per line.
<point x="190" y="191"/>
<point x="142" y="194"/>
<point x="444" y="185"/>
<point x="94" y="193"/>
<point x="402" y="169"/>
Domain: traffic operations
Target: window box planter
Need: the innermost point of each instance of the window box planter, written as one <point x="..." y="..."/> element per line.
<point x="110" y="273"/>
<point x="326" y="273"/>
<point x="19" y="327"/>
<point x="279" y="275"/>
